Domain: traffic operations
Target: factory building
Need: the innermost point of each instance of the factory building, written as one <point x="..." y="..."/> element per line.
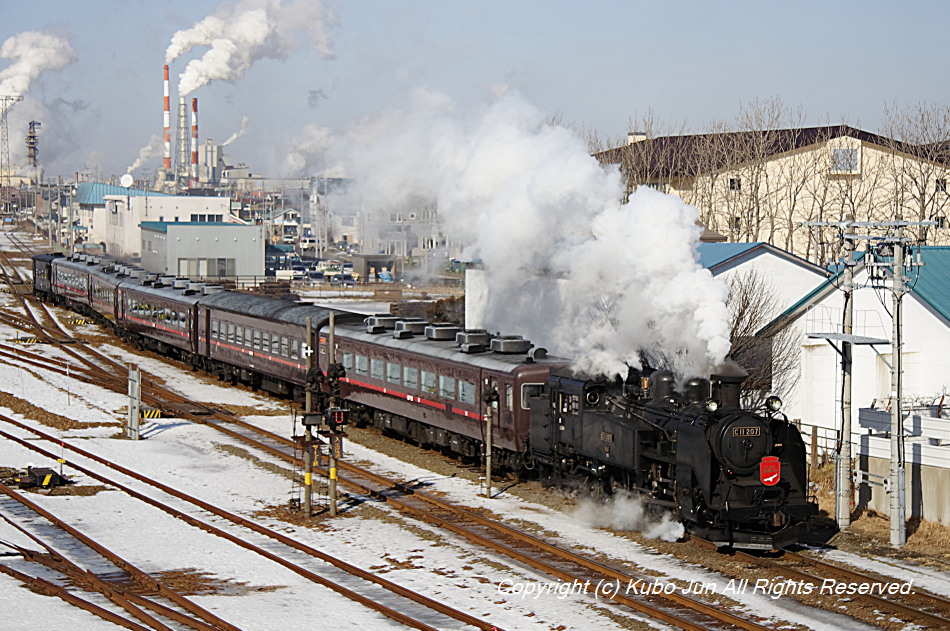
<point x="197" y="249"/>
<point x="116" y="223"/>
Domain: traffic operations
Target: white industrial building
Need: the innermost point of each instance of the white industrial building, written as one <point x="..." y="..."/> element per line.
<point x="116" y="223"/>
<point x="202" y="249"/>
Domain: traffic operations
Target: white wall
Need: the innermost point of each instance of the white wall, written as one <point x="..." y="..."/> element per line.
<point x="117" y="225"/>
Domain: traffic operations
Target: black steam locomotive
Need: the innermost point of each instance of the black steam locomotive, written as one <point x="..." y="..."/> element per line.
<point x="735" y="476"/>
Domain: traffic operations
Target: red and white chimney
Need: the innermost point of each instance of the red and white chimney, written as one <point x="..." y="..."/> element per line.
<point x="167" y="162"/>
<point x="194" y="142"/>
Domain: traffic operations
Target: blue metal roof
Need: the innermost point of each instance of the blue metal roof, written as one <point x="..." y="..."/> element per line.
<point x="92" y="193"/>
<point x="932" y="284"/>
<point x="713" y="254"/>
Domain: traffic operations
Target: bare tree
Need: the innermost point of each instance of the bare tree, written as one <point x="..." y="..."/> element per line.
<point x="770" y="358"/>
<point x="919" y="153"/>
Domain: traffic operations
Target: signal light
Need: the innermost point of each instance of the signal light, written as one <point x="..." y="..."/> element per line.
<point x="337" y="418"/>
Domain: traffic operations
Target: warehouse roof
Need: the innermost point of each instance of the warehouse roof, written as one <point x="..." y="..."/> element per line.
<point x="93" y="193"/>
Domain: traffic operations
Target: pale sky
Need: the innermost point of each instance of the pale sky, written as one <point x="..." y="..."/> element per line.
<point x="597" y="65"/>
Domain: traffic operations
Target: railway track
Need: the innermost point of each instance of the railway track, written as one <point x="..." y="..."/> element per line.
<point x="125" y="583"/>
<point x="824" y="577"/>
<point x="544" y="556"/>
<point x="370" y="595"/>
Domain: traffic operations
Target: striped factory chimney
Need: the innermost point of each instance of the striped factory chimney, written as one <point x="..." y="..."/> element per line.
<point x="167" y="162"/>
<point x="194" y="142"/>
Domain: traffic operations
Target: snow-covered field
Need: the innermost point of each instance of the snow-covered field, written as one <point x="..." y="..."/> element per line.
<point x="263" y="595"/>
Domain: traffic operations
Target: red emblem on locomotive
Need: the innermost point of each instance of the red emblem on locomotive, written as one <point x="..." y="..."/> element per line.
<point x="770" y="470"/>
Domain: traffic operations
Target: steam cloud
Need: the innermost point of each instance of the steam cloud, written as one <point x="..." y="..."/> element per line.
<point x="240" y="132"/>
<point x="524" y="195"/>
<point x="155" y="147"/>
<point x="33" y="53"/>
<point x="252" y="30"/>
<point x="625" y="511"/>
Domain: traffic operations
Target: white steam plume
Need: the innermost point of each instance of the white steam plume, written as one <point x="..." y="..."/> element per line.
<point x="310" y="146"/>
<point x="240" y="132"/>
<point x="626" y="511"/>
<point x="33" y="53"/>
<point x="523" y="195"/>
<point x="155" y="147"/>
<point x="250" y="31"/>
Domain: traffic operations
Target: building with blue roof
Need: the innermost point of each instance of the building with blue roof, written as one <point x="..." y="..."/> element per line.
<point x="816" y="400"/>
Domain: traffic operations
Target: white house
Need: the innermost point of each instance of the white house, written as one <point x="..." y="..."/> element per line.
<point x="925" y="336"/>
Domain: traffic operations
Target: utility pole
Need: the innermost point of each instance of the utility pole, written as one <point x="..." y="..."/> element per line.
<point x="843" y="466"/>
<point x="898" y="514"/>
<point x="879" y="249"/>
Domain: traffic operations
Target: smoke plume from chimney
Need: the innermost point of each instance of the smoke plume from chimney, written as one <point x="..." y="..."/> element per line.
<point x="33" y="53"/>
<point x="252" y="30"/>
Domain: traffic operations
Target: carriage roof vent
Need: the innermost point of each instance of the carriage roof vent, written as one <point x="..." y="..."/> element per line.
<point x="510" y="344"/>
<point x="163" y="281"/>
<point x="180" y="283"/>
<point x="407" y="327"/>
<point x="148" y="279"/>
<point x="92" y="260"/>
<point x="380" y="322"/>
<point x="207" y="290"/>
<point x="193" y="288"/>
<point x="138" y="274"/>
<point x="472" y="340"/>
<point x="536" y="353"/>
<point x="441" y="331"/>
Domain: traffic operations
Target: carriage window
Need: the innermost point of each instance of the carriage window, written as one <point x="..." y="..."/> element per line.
<point x="239" y="336"/>
<point x="362" y="366"/>
<point x="446" y="387"/>
<point x="529" y="390"/>
<point x="257" y="340"/>
<point x="231" y="333"/>
<point x="347" y="361"/>
<point x="275" y="344"/>
<point x="428" y="382"/>
<point x="214" y="329"/>
<point x="376" y="368"/>
<point x="294" y="349"/>
<point x="466" y="392"/>
<point x="410" y="377"/>
<point x="284" y="346"/>
<point x="181" y="319"/>
<point x="393" y="373"/>
<point x="265" y="342"/>
<point x="509" y="397"/>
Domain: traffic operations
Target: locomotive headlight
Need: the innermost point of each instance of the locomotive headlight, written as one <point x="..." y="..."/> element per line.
<point x="773" y="403"/>
<point x="712" y="405"/>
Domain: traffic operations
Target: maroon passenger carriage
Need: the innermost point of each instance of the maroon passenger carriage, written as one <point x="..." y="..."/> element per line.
<point x="428" y="382"/>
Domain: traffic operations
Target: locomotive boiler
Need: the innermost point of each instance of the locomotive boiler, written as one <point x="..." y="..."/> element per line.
<point x="734" y="476"/>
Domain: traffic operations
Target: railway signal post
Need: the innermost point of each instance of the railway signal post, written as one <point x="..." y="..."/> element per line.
<point x="135" y="402"/>
<point x="491" y="402"/>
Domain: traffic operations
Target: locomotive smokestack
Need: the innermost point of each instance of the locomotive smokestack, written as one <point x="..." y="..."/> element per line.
<point x="194" y="142"/>
<point x="167" y="162"/>
<point x="727" y="390"/>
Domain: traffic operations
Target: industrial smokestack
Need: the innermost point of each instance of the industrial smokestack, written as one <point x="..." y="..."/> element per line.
<point x="181" y="158"/>
<point x="194" y="142"/>
<point x="167" y="162"/>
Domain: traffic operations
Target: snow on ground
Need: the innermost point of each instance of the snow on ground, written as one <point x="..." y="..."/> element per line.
<point x="213" y="467"/>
